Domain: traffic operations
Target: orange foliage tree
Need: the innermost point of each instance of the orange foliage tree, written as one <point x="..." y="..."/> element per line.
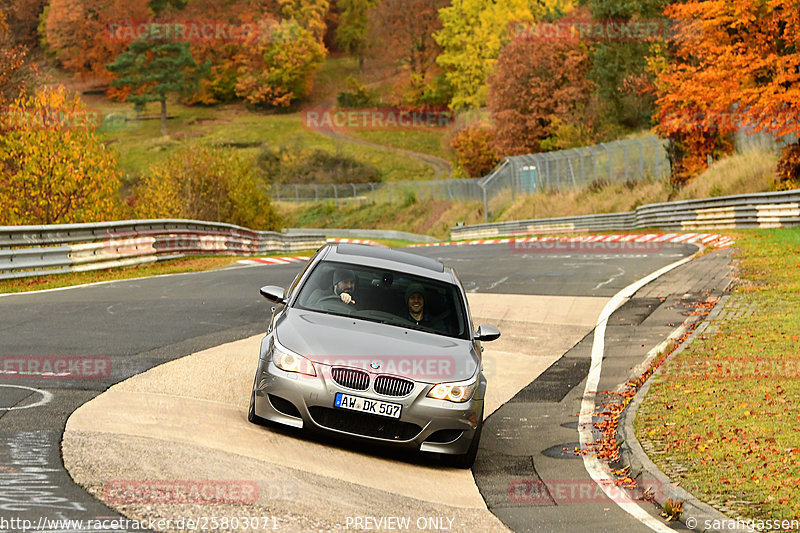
<point x="15" y="73"/>
<point x="53" y="168"/>
<point x="735" y="64"/>
<point x="78" y="32"/>
<point x="23" y="19"/>
<point x="473" y="147"/>
<point x="534" y="83"/>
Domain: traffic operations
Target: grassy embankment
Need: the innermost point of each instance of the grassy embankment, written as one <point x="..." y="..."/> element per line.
<point x="738" y="174"/>
<point x="724" y="416"/>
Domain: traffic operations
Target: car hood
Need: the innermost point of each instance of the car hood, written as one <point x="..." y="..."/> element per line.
<point x="342" y="341"/>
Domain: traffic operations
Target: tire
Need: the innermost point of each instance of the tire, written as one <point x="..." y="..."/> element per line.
<point x="466" y="460"/>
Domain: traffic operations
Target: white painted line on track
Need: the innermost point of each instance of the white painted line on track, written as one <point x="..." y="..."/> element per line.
<point x="598" y="470"/>
<point x="46" y="397"/>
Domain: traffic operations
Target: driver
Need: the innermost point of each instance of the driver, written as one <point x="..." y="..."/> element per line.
<point x="344" y="285"/>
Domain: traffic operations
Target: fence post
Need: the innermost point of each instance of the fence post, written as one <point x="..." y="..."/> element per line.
<point x="354" y="191"/>
<point x="641" y="158"/>
<point x="485" y="204"/>
<point x="316" y="193"/>
<point x="610" y="163"/>
<point x="656" y="155"/>
<point x="296" y="193"/>
<point x="372" y="188"/>
<point x="625" y="152"/>
<point x="335" y="196"/>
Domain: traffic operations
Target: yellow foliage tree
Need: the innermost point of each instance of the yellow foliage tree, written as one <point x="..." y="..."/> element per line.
<point x="53" y="168"/>
<point x="204" y="183"/>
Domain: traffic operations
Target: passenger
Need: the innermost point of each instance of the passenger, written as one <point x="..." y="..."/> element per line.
<point x="416" y="313"/>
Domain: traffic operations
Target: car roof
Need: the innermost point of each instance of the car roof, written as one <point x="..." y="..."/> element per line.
<point x="389" y="259"/>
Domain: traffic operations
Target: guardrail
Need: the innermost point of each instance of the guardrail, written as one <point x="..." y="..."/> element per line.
<point x="38" y="250"/>
<point x="762" y="210"/>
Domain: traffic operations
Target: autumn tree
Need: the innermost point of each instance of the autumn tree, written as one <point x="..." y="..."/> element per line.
<point x="205" y="183"/>
<point x="53" y="168"/>
<point x="279" y="65"/>
<point x="403" y="31"/>
<point x="473" y="148"/>
<point x="725" y="75"/>
<point x="472" y="35"/>
<point x="352" y="32"/>
<point x="23" y="19"/>
<point x="16" y="75"/>
<point x="153" y="67"/>
<point x="77" y="32"/>
<point x="535" y="83"/>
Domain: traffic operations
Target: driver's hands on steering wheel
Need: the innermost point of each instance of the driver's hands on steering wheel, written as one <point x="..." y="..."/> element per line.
<point x="346" y="298"/>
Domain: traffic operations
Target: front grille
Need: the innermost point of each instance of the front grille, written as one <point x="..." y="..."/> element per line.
<point x="350" y="378"/>
<point x="363" y="424"/>
<point x="392" y="386"/>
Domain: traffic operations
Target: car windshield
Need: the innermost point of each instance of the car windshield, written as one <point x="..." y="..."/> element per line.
<point x="385" y="296"/>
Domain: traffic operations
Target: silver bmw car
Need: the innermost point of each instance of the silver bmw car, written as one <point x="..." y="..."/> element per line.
<point x="375" y="344"/>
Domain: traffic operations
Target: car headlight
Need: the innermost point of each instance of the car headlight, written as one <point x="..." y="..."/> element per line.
<point x="291" y="362"/>
<point x="453" y="392"/>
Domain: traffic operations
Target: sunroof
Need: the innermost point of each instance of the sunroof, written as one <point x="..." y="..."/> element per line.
<point x="390" y="255"/>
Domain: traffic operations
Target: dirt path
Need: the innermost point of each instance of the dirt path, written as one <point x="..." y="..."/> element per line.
<point x="442" y="169"/>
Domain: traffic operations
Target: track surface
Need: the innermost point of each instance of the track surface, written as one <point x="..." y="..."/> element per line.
<point x="139" y="324"/>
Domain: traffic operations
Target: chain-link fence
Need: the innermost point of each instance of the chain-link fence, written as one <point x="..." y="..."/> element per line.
<point x="625" y="161"/>
<point x="384" y="192"/>
<point x="761" y="140"/>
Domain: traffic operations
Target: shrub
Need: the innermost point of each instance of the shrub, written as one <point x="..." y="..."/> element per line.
<point x="205" y="183"/>
<point x="788" y="171"/>
<point x="357" y="95"/>
<point x="283" y="165"/>
<point x="473" y="147"/>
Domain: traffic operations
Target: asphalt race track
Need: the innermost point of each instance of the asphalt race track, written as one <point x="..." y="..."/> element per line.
<point x="184" y="421"/>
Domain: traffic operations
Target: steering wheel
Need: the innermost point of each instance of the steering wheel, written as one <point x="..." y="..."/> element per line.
<point x="334" y="303"/>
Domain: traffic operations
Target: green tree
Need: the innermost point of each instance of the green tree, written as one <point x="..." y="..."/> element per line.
<point x="206" y="183"/>
<point x="619" y="66"/>
<point x="351" y="35"/>
<point x="152" y="68"/>
<point x="53" y="168"/>
<point x="472" y="35"/>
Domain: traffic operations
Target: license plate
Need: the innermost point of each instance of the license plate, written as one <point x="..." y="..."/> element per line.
<point x="365" y="405"/>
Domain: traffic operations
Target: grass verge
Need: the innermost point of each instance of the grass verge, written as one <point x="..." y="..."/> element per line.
<point x="723" y="418"/>
<point x="175" y="266"/>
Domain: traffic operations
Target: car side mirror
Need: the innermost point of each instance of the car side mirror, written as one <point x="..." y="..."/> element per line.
<point x="273" y="294"/>
<point x="487" y="333"/>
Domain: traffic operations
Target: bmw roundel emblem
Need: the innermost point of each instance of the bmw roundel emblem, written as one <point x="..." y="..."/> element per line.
<point x="375" y="365"/>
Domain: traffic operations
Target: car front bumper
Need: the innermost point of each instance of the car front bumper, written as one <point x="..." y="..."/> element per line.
<point x="426" y="424"/>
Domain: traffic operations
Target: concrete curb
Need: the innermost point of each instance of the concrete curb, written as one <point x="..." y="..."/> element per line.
<point x="696" y="514"/>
